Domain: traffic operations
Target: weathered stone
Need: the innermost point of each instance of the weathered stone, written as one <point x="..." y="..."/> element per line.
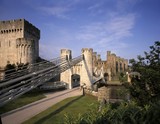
<point x="111" y="92"/>
<point x="19" y="42"/>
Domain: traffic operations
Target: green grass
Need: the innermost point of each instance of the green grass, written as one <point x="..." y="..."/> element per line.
<point x="71" y="106"/>
<point x="25" y="99"/>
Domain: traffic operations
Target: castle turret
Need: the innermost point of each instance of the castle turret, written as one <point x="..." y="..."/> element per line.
<point x="66" y="75"/>
<point x="87" y="67"/>
<point x="19" y="42"/>
<point x="108" y="54"/>
<point x="99" y="57"/>
<point x="66" y="53"/>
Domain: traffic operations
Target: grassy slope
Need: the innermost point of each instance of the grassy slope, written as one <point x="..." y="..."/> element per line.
<point x="25" y="99"/>
<point x="72" y="106"/>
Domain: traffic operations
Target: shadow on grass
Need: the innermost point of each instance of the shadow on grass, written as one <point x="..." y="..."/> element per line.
<point x="41" y="121"/>
<point x="36" y="103"/>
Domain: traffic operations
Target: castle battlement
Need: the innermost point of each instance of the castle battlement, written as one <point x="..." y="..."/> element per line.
<point x="10" y="24"/>
<point x="19" y="42"/>
<point x="19" y="25"/>
<point x="87" y="50"/>
<point x="65" y="51"/>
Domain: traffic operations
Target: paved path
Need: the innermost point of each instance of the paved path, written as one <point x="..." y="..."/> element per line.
<point x="26" y="112"/>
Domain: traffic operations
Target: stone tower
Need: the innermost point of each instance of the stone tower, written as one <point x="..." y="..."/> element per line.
<point x="19" y="42"/>
<point x="116" y="64"/>
<point x="66" y="75"/>
<point x="87" y="67"/>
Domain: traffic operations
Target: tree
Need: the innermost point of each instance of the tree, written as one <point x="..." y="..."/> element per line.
<point x="10" y="68"/>
<point x="147" y="88"/>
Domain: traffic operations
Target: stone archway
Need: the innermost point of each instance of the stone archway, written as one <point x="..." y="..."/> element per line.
<point x="75" y="80"/>
<point x="106" y="77"/>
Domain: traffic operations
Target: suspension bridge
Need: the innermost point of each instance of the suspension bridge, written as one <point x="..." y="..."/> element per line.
<point x="17" y="82"/>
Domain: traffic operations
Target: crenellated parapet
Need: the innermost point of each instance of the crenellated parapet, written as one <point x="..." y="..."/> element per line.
<point x="87" y="50"/>
<point x="67" y="53"/>
<point x="19" y="42"/>
<point x="21" y="26"/>
<point x="11" y="25"/>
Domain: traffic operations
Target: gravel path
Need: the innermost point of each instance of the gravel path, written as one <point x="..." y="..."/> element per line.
<point x="26" y="112"/>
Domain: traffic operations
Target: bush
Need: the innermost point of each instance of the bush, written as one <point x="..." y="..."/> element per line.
<point x="125" y="113"/>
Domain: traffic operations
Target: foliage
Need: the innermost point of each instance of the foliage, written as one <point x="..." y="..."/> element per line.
<point x="122" y="77"/>
<point x="10" y="68"/>
<point x="125" y="113"/>
<point x="146" y="88"/>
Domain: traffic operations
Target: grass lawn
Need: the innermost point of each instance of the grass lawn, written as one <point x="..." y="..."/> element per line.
<point x="72" y="106"/>
<point x="25" y="99"/>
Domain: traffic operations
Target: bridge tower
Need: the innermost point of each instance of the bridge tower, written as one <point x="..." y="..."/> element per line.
<point x="87" y="67"/>
<point x="66" y="75"/>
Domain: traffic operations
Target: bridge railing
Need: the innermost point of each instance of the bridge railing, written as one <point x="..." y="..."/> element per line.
<point x="14" y="88"/>
<point x="24" y="70"/>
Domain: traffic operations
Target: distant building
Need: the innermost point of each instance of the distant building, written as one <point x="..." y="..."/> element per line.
<point x="113" y="64"/>
<point x="19" y="42"/>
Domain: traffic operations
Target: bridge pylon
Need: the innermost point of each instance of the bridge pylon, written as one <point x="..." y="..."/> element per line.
<point x="66" y="75"/>
<point x="87" y="67"/>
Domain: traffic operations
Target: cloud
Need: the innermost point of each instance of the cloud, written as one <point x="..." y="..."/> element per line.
<point x="123" y="5"/>
<point x="110" y="33"/>
<point x="121" y="26"/>
<point x="106" y="33"/>
<point x="48" y="51"/>
<point x="95" y="6"/>
<point x="57" y="11"/>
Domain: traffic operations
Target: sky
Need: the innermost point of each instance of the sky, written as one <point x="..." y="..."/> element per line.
<point x="124" y="27"/>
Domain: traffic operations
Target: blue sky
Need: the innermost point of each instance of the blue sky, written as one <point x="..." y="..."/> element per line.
<point x="125" y="27"/>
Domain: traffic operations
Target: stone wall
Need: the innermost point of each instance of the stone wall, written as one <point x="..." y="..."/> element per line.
<point x="112" y="93"/>
<point x="19" y="42"/>
<point x="66" y="75"/>
<point x="84" y="69"/>
<point x="92" y="65"/>
<point x="116" y="64"/>
<point x="87" y="67"/>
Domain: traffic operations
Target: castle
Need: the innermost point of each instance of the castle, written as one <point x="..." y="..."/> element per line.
<point x="19" y="42"/>
<point x="92" y="67"/>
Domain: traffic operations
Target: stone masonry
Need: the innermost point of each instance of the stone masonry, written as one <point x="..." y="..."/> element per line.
<point x="19" y="42"/>
<point x="91" y="63"/>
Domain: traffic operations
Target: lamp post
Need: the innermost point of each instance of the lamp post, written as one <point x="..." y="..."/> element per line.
<point x="83" y="86"/>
